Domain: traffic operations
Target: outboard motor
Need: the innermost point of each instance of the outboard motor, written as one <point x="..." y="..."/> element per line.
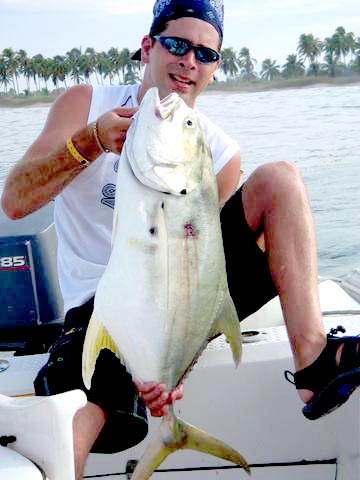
<point x="31" y="312"/>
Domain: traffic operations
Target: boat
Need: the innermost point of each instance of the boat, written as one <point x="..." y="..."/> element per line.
<point x="252" y="408"/>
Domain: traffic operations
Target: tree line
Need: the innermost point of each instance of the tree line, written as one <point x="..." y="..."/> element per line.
<point x="334" y="56"/>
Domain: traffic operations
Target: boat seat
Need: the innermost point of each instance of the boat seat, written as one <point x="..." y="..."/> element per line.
<point x="43" y="430"/>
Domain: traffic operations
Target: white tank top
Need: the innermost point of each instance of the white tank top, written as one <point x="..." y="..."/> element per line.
<point x="84" y="209"/>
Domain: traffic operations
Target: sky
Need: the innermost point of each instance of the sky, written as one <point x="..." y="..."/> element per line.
<point x="269" y="28"/>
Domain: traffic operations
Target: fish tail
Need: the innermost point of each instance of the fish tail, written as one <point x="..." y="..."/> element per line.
<point x="96" y="339"/>
<point x="175" y="434"/>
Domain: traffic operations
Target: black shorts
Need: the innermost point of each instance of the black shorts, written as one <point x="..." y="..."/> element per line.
<point x="250" y="286"/>
<point x="126" y="423"/>
<point x="249" y="277"/>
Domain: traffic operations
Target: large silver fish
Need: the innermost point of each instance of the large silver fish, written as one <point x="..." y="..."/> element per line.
<point x="164" y="293"/>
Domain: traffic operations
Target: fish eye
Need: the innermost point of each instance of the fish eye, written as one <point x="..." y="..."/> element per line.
<point x="190" y="123"/>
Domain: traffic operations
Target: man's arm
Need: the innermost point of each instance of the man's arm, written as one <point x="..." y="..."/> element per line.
<point x="228" y="179"/>
<point x="48" y="166"/>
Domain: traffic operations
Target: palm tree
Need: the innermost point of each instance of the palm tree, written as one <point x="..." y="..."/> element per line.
<point x="37" y="67"/>
<point x="229" y="65"/>
<point x="4" y="74"/>
<point x="86" y="67"/>
<point x="126" y="64"/>
<point x="115" y="59"/>
<point x="108" y="70"/>
<point x="350" y="43"/>
<point x="310" y="49"/>
<point x="331" y="59"/>
<point x="8" y="55"/>
<point x="131" y="76"/>
<point x="270" y="69"/>
<point x="101" y="61"/>
<point x="92" y="59"/>
<point x="329" y="46"/>
<point x="337" y="47"/>
<point x="357" y="46"/>
<point x="356" y="62"/>
<point x="293" y="67"/>
<point x="21" y="60"/>
<point x="45" y="71"/>
<point x="27" y="72"/>
<point x="73" y="61"/>
<point x="330" y="65"/>
<point x="59" y="70"/>
<point x="343" y="43"/>
<point x="246" y="64"/>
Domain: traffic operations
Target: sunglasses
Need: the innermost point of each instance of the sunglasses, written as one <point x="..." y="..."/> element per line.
<point x="180" y="47"/>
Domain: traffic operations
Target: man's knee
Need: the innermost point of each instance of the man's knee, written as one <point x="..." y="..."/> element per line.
<point x="276" y="174"/>
<point x="274" y="182"/>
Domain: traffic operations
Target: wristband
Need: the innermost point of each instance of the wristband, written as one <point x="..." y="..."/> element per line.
<point x="76" y="154"/>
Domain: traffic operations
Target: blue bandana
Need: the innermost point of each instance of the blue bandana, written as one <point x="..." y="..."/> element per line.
<point x="211" y="11"/>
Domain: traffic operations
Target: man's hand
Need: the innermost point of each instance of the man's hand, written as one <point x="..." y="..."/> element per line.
<point x="112" y="127"/>
<point x="157" y="398"/>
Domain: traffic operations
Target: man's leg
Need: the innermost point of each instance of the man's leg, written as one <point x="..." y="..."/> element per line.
<point x="87" y="425"/>
<point x="275" y="202"/>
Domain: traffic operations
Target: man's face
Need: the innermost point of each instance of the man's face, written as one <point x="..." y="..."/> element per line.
<point x="184" y="75"/>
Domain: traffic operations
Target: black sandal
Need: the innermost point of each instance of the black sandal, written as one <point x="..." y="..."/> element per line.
<point x="332" y="384"/>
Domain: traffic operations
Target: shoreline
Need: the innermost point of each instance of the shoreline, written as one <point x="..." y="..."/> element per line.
<point x="36" y="100"/>
<point x="238" y="86"/>
<point x="233" y="86"/>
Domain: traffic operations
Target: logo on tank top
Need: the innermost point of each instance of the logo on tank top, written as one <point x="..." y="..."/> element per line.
<point x="109" y="190"/>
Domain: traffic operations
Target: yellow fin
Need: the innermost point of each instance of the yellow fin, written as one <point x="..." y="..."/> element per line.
<point x="175" y="434"/>
<point x="96" y="339"/>
<point x="228" y="323"/>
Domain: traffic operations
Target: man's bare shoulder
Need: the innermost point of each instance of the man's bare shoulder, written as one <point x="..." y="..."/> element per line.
<point x="68" y="114"/>
<point x="73" y="104"/>
<point x="77" y="93"/>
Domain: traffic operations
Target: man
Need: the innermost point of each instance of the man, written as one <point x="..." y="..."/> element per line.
<point x="267" y="223"/>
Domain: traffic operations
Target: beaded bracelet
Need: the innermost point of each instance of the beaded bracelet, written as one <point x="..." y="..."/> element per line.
<point x="75" y="153"/>
<point x="97" y="139"/>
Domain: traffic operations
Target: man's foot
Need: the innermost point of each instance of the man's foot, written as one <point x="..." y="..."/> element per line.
<point x="330" y="380"/>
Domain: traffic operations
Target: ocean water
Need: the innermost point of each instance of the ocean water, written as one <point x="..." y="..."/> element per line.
<point x="315" y="128"/>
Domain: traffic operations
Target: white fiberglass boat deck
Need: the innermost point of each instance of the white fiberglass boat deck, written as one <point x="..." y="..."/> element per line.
<point x="252" y="408"/>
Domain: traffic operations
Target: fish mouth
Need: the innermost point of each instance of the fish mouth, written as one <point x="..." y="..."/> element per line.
<point x="165" y="107"/>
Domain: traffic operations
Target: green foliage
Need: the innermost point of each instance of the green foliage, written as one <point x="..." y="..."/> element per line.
<point x="75" y="67"/>
<point x="269" y="69"/>
<point x="340" y="52"/>
<point x="335" y="56"/>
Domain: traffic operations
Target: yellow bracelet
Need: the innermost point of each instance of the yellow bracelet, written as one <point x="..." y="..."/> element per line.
<point x="76" y="154"/>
